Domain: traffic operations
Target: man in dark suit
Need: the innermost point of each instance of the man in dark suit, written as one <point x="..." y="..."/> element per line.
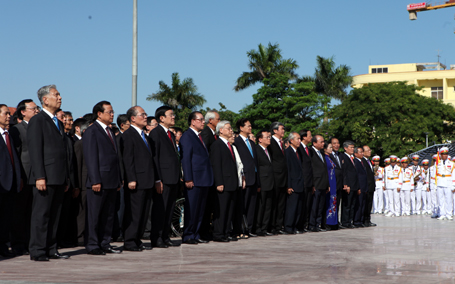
<point x="140" y="176"/>
<point x="335" y="156"/>
<point x="197" y="175"/>
<point x="167" y="161"/>
<point x="224" y="167"/>
<point x="103" y="180"/>
<point x="307" y="168"/>
<point x="249" y="157"/>
<point x="209" y="137"/>
<point x="280" y="171"/>
<point x="81" y="198"/>
<point x="359" y="209"/>
<point x="294" y="201"/>
<point x="48" y="150"/>
<point x="320" y="181"/>
<point x="10" y="180"/>
<point x="351" y="187"/>
<point x="22" y="210"/>
<point x="371" y="187"/>
<point x="265" y="197"/>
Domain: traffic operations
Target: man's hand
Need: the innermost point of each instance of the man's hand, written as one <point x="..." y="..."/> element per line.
<point x="290" y="190"/>
<point x="41" y="184"/>
<point x="220" y="188"/>
<point x="76" y="192"/>
<point x="96" y="187"/>
<point x="384" y="187"/>
<point x="358" y="192"/>
<point x="66" y="188"/>
<point x="398" y="189"/>
<point x="159" y="187"/>
<point x="259" y="189"/>
<point x="314" y="190"/>
<point x="412" y="190"/>
<point x="243" y="183"/>
<point x="132" y="185"/>
<point x="189" y="184"/>
<point x="118" y="189"/>
<point x="328" y="190"/>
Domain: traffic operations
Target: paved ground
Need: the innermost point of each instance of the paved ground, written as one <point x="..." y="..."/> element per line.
<point x="413" y="249"/>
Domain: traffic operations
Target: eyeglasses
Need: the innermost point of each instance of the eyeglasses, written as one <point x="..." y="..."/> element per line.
<point x="200" y="119"/>
<point x="230" y="128"/>
<point x="142" y="114"/>
<point x="172" y="115"/>
<point x="109" y="112"/>
<point x="33" y="108"/>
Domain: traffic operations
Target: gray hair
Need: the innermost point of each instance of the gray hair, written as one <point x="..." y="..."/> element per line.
<point x="220" y="125"/>
<point x="292" y="135"/>
<point x="211" y="114"/>
<point x="275" y="125"/>
<point x="348" y="143"/>
<point x="84" y="126"/>
<point x="356" y="149"/>
<point x="43" y="91"/>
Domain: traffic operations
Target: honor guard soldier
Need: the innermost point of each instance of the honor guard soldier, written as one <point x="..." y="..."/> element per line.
<point x="432" y="186"/>
<point x="385" y="195"/>
<point x="407" y="187"/>
<point x="393" y="186"/>
<point x="426" y="196"/>
<point x="416" y="194"/>
<point x="378" y="200"/>
<point x="445" y="184"/>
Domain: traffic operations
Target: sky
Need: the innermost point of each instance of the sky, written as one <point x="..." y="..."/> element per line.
<point x="85" y="47"/>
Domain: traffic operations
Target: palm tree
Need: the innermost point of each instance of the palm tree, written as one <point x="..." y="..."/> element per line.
<point x="181" y="95"/>
<point x="330" y="81"/>
<point x="262" y="63"/>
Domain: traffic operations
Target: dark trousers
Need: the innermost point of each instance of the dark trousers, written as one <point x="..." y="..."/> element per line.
<point x="65" y="231"/>
<point x="206" y="225"/>
<point x="118" y="229"/>
<point x="162" y="211"/>
<point x="317" y="208"/>
<point x="136" y="203"/>
<point x="249" y="207"/>
<point x="81" y="218"/>
<point x="100" y="218"/>
<point x="360" y="208"/>
<point x="223" y="210"/>
<point x="294" y="204"/>
<point x="46" y="207"/>
<point x="6" y="207"/>
<point x="347" y="207"/>
<point x="22" y="214"/>
<point x="239" y="222"/>
<point x="264" y="211"/>
<point x="368" y="207"/>
<point x="279" y="205"/>
<point x="306" y="208"/>
<point x="195" y="200"/>
<point x="339" y="198"/>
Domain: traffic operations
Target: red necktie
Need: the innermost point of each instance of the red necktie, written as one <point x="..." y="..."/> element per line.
<point x="8" y="145"/>
<point x="352" y="160"/>
<point x="281" y="144"/>
<point x="297" y="154"/>
<point x="232" y="152"/>
<point x="215" y="137"/>
<point x="306" y="150"/>
<point x="170" y="137"/>
<point x="200" y="138"/>
<point x="109" y="134"/>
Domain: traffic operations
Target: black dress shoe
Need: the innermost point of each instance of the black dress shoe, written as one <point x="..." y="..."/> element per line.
<point x="372" y="224"/>
<point x="289" y="233"/>
<point x="171" y="243"/>
<point x="160" y="244"/>
<point x="322" y="230"/>
<point x="232" y="239"/>
<point x="6" y="253"/>
<point x="39" y="258"/>
<point x="201" y="241"/>
<point x="251" y="235"/>
<point x="221" y="240"/>
<point x="261" y="234"/>
<point x="327" y="228"/>
<point x="143" y="247"/>
<point x="111" y="250"/>
<point x="132" y="248"/>
<point x="96" y="252"/>
<point x="366" y="225"/>
<point x="57" y="255"/>
<point x="299" y="232"/>
<point x="341" y="227"/>
<point x="316" y="229"/>
<point x="267" y="234"/>
<point x="190" y="242"/>
<point x="280" y="232"/>
<point x="351" y="226"/>
<point x="19" y="251"/>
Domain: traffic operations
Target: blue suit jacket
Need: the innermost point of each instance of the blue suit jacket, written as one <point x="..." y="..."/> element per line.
<point x="195" y="160"/>
<point x="6" y="168"/>
<point x="295" y="173"/>
<point x="362" y="174"/>
<point x="101" y="158"/>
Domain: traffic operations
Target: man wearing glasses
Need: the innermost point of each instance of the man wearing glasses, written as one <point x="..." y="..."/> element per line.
<point x="197" y="175"/>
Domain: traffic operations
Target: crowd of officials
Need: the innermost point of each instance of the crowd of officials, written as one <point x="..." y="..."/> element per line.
<point x="88" y="182"/>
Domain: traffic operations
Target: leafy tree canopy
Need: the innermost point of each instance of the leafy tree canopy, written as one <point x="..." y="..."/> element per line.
<point x="391" y="118"/>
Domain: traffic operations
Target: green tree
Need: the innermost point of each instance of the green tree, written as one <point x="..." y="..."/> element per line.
<point x="296" y="105"/>
<point x="224" y="113"/>
<point x="391" y="118"/>
<point x="262" y="63"/>
<point x="331" y="81"/>
<point x="181" y="96"/>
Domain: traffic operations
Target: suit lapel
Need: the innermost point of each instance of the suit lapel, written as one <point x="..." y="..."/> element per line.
<point x="104" y="134"/>
<point x="49" y="120"/>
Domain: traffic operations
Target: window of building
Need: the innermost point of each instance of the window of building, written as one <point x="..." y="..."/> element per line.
<point x="380" y="70"/>
<point x="437" y="93"/>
